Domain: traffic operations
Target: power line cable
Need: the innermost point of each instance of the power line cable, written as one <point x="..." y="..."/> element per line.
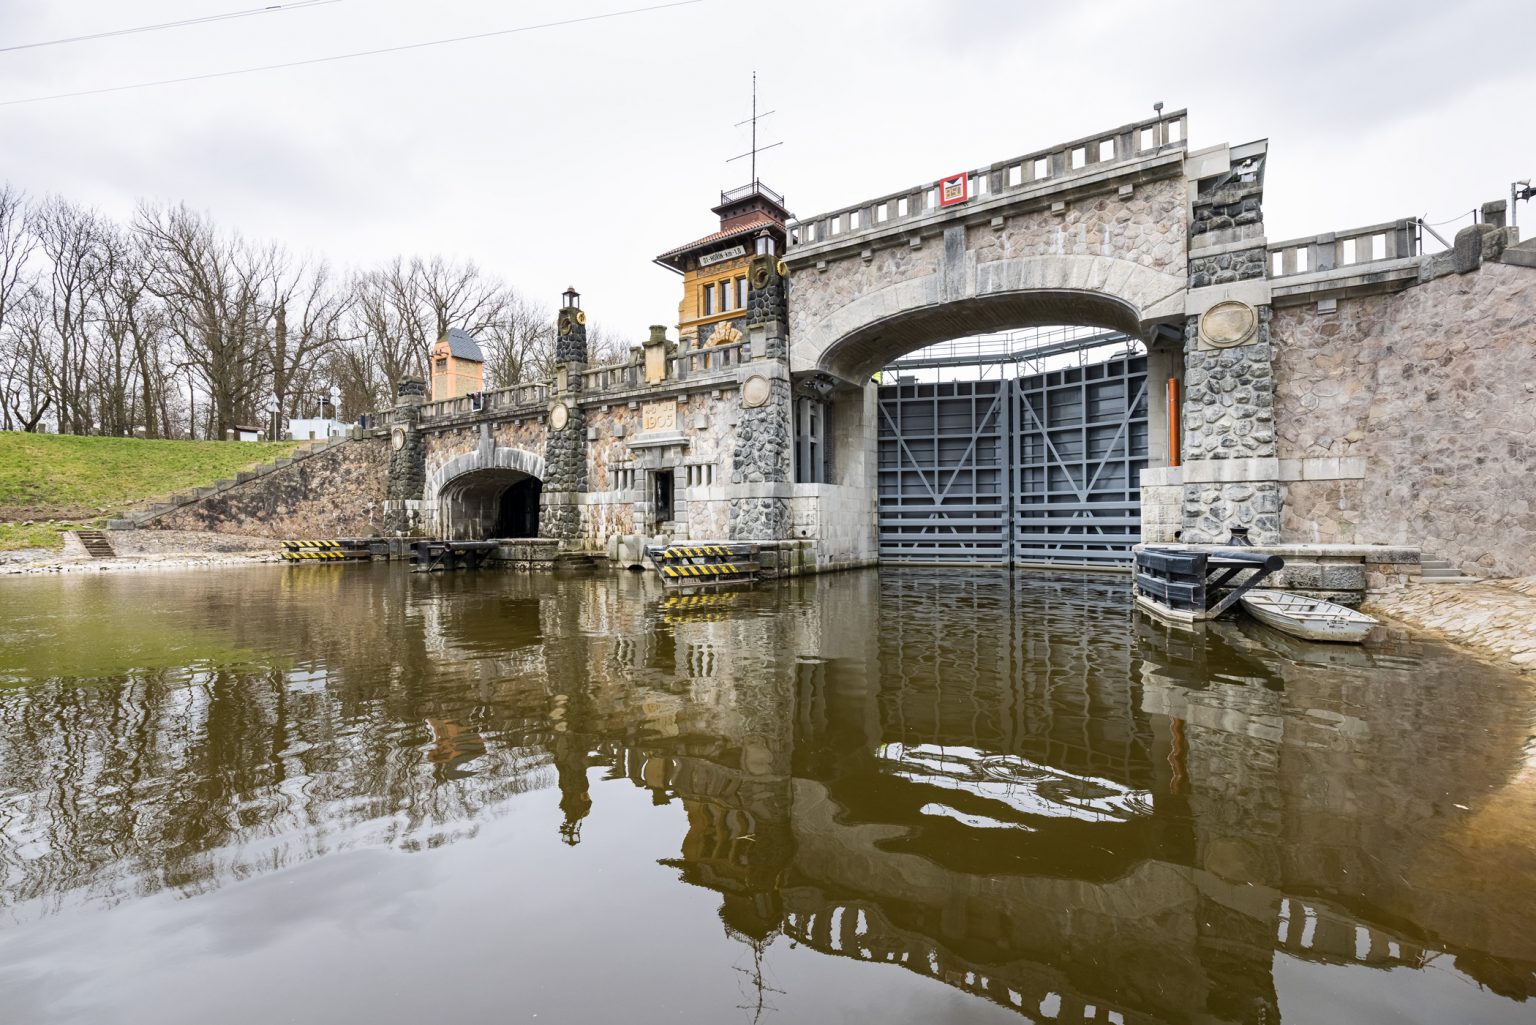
<point x="160" y="26"/>
<point x="349" y="56"/>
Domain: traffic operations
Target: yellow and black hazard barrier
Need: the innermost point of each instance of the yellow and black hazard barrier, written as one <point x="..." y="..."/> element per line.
<point x="326" y="550"/>
<point x="705" y="562"/>
<point x="697" y="601"/>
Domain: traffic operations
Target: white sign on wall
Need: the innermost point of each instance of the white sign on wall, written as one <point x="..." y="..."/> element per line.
<point x="722" y="255"/>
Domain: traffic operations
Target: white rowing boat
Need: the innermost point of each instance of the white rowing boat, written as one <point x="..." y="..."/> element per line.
<point x="1309" y="618"/>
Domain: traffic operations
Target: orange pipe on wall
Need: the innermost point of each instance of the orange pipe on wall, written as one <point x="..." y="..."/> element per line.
<point x="1174" y="417"/>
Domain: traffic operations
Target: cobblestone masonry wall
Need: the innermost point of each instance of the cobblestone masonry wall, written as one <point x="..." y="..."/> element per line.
<point x="565" y="471"/>
<point x="1229" y="414"/>
<point x="763" y="456"/>
<point x="1435" y="388"/>
<point x="337" y="493"/>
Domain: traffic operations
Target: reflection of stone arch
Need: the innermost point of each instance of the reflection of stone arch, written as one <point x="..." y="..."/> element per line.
<point x="490" y="492"/>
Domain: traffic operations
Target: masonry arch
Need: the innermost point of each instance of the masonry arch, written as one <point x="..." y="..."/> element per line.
<point x="884" y="321"/>
<point x="1026" y="467"/>
<point x="492" y="492"/>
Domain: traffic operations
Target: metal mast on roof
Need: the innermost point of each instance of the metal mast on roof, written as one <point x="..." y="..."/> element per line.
<point x="753" y="120"/>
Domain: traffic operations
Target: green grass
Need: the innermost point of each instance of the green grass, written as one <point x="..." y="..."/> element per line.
<point x="80" y="480"/>
<point x="48" y="534"/>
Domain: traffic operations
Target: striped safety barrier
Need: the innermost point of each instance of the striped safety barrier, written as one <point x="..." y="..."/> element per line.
<point x="326" y="549"/>
<point x="704" y="562"/>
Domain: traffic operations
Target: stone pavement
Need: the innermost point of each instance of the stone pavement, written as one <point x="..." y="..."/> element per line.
<point x="1495" y="619"/>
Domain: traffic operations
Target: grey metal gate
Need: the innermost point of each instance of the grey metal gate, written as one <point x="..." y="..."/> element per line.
<point x="943" y="472"/>
<point x="1040" y="469"/>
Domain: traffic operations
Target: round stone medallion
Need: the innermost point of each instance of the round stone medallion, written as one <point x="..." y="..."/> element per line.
<point x="755" y="391"/>
<point x="1229" y="323"/>
<point x="559" y="417"/>
<point x="397" y="438"/>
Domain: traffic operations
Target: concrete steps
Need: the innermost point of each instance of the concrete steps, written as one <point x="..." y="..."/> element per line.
<point x="1440" y="571"/>
<point x="97" y="544"/>
<point x="170" y="503"/>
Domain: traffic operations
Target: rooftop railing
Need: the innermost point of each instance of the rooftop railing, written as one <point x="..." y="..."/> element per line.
<point x="753" y="189"/>
<point x="1029" y="172"/>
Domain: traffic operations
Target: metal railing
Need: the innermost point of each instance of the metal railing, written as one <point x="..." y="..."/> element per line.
<point x="1376" y="243"/>
<point x="1079" y="158"/>
<point x="752" y="189"/>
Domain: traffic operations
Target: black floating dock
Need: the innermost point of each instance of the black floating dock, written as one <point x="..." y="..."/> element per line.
<point x="1184" y="583"/>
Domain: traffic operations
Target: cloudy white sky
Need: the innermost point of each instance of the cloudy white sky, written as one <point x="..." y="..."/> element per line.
<point x="573" y="155"/>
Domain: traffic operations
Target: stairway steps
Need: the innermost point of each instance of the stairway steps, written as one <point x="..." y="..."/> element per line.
<point x="97" y="544"/>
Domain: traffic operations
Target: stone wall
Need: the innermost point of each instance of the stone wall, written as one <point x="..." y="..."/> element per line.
<point x="336" y="493"/>
<point x="1434" y="389"/>
<point x="1146" y="228"/>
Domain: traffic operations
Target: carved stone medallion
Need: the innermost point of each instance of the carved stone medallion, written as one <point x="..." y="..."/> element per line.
<point x="755" y="391"/>
<point x="1229" y="323"/>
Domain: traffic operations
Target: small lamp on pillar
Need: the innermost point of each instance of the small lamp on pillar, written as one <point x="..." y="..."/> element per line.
<point x="570" y="299"/>
<point x="765" y="243"/>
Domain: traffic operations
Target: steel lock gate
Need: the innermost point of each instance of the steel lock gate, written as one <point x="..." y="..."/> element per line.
<point x="1042" y="469"/>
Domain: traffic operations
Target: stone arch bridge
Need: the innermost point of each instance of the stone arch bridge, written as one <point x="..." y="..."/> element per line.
<point x="1344" y="387"/>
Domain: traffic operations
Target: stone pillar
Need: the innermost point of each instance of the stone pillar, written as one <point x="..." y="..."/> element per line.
<point x="761" y="467"/>
<point x="565" y="439"/>
<point x="407" y="460"/>
<point x="1230" y="472"/>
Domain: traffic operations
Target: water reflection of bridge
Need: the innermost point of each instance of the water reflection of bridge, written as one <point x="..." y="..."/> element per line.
<point x="985" y="779"/>
<point x="1254" y="803"/>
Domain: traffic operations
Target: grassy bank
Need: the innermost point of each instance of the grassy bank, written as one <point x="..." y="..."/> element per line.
<point x="60" y="482"/>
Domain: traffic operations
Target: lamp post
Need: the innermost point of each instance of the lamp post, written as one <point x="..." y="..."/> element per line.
<point x="764" y="243"/>
<point x="570" y="299"/>
<point x="272" y="410"/>
<point x="1522" y="189"/>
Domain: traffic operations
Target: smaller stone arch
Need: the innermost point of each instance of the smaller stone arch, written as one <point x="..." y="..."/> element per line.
<point x="490" y="492"/>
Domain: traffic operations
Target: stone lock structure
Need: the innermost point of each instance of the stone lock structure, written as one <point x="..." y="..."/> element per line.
<point x="1342" y="388"/>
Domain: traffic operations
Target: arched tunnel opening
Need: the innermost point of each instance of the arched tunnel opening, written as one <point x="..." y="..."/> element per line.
<point x="486" y="504"/>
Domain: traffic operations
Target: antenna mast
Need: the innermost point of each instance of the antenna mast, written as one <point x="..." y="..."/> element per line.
<point x="753" y="120"/>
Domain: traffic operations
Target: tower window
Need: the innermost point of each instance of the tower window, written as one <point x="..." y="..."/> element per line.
<point x="708" y="306"/>
<point x="741" y="293"/>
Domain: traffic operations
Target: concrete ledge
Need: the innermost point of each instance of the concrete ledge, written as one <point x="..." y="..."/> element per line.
<point x="1255" y="292"/>
<point x="1245" y="471"/>
<point x="1352" y="279"/>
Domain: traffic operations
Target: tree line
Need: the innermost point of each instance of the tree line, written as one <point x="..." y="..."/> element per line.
<point x="169" y="326"/>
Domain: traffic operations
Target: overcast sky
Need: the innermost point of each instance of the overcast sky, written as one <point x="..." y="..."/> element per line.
<point x="575" y="154"/>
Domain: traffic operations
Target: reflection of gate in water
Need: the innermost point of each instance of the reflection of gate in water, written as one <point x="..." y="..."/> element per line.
<point x="1038" y="469"/>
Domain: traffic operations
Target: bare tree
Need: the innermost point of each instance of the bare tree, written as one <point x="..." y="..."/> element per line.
<point x="16" y="245"/>
<point x="308" y="315"/>
<point x="212" y="291"/>
<point x="29" y="362"/>
<point x="520" y="345"/>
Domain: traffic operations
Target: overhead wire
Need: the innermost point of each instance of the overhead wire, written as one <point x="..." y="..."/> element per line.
<point x="161" y="26"/>
<point x="355" y="54"/>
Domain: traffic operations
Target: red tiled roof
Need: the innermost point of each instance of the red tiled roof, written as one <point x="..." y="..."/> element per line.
<point x="720" y="236"/>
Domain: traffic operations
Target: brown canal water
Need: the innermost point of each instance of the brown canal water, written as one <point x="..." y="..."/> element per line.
<point x="353" y="794"/>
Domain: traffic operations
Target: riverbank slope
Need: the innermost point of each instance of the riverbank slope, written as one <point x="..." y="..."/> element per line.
<point x="52" y="483"/>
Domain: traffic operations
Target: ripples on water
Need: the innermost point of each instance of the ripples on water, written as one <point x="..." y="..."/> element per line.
<point x="353" y="794"/>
